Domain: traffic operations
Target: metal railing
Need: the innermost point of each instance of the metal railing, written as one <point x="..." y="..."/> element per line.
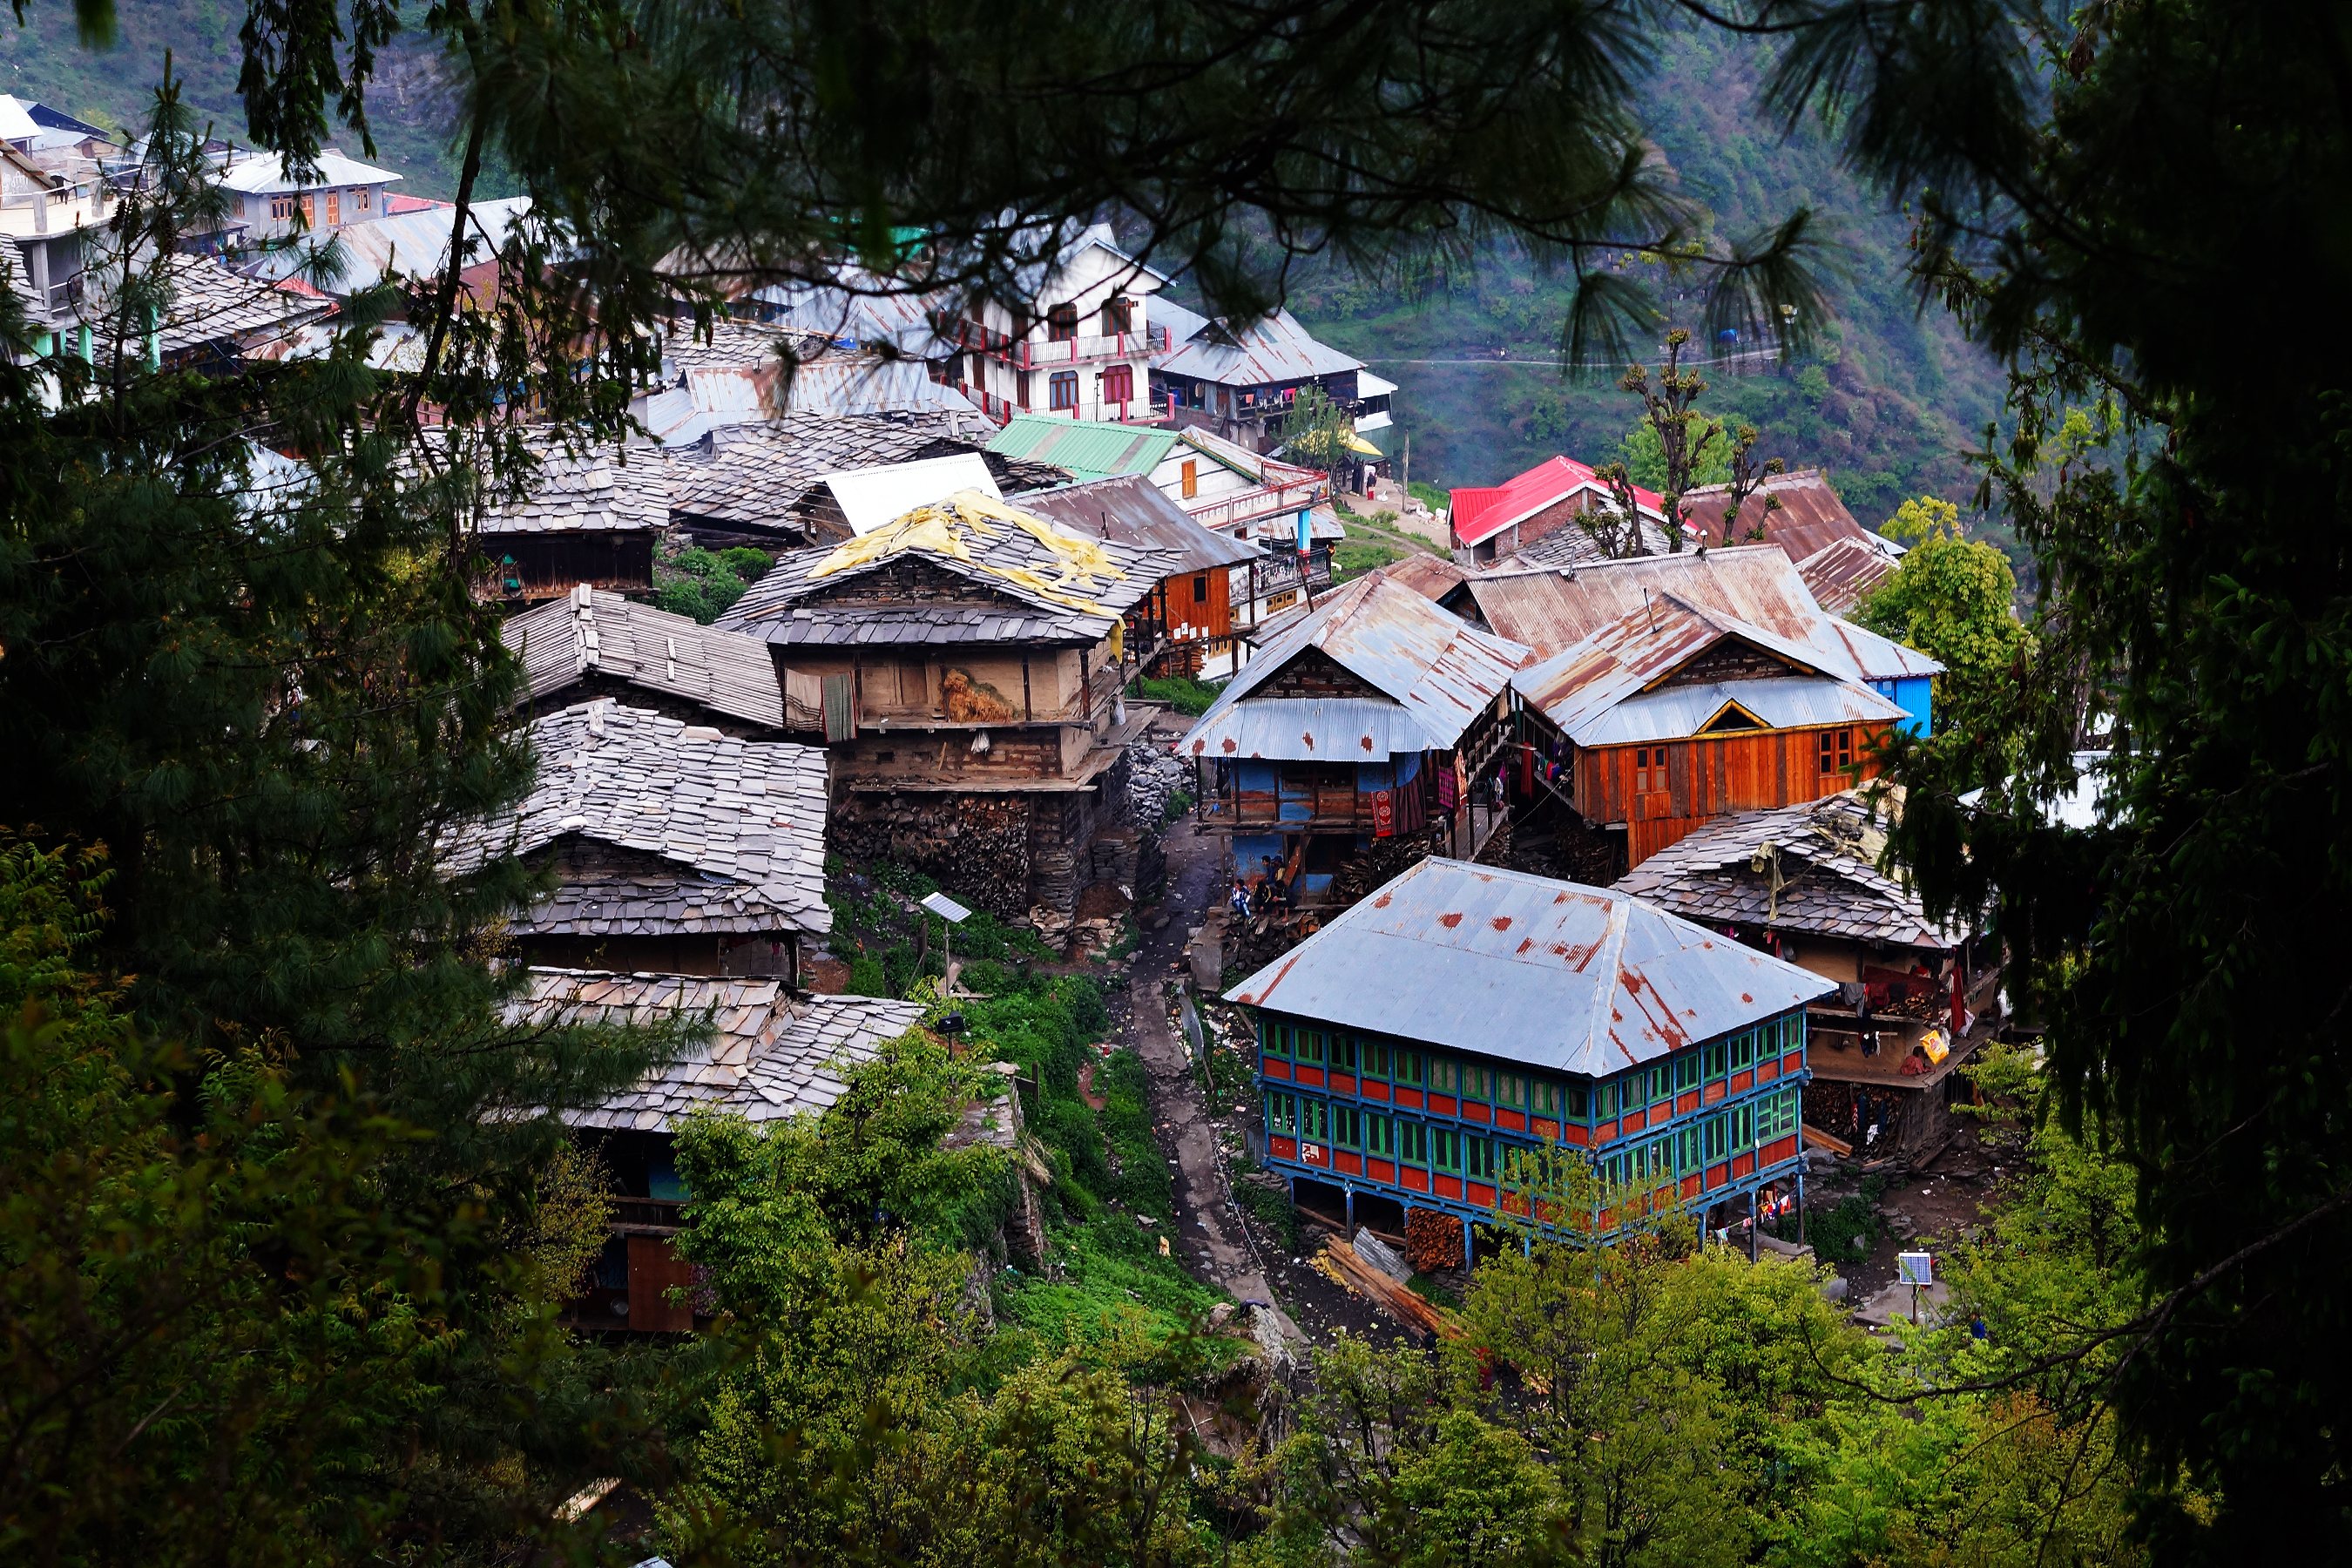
<point x="1030" y="353"/>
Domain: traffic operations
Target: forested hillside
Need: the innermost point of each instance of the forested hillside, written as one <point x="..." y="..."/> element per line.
<point x="1884" y="402"/>
<point x="409" y="108"/>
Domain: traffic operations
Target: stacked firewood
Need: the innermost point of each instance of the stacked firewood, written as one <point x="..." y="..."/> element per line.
<point x="976" y="845"/>
<point x="1433" y="1240"/>
<point x="1379" y="863"/>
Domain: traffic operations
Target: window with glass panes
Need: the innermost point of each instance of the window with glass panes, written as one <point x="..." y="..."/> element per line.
<point x="1718" y="1058"/>
<point x="1282" y="1113"/>
<point x="1511" y="1090"/>
<point x="1347" y="1127"/>
<point x="1380" y="1135"/>
<point x="1412" y="1142"/>
<point x="1477" y="1082"/>
<point x="1743" y="1050"/>
<point x="1276" y="1037"/>
<point x="1445" y="1076"/>
<point x="1447" y="1149"/>
<point x="1374" y="1059"/>
<point x="1307" y="1049"/>
<point x="1314" y="1120"/>
<point x="1687" y="1072"/>
<point x="1343" y="1053"/>
<point x="1478" y="1158"/>
<point x="1409" y="1067"/>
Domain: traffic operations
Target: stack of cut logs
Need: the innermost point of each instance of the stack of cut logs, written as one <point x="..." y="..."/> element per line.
<point x="976" y="845"/>
<point x="1433" y="1240"/>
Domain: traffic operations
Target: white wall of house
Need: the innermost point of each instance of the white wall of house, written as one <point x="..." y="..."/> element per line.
<point x="1077" y="359"/>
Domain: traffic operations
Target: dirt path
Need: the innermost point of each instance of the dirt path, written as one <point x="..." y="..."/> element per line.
<point x="1215" y="1246"/>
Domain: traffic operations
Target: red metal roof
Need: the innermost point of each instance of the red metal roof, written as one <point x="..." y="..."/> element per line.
<point x="1479" y="514"/>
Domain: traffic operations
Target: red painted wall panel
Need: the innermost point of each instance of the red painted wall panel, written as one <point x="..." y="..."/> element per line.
<point x="1351" y="1164"/>
<point x="1416" y="1178"/>
<point x="1282" y="1148"/>
<point x="1311" y="1076"/>
<point x="1474" y="1112"/>
<point x="1408" y="1097"/>
<point x="1277" y="1070"/>
<point x="1380" y="1170"/>
<point x="1516" y="1120"/>
<point x="1443" y="1105"/>
<point x="1778" y="1150"/>
<point x="1375" y="1091"/>
<point x="1482" y="1195"/>
<point x="1449" y="1186"/>
<point x="1343" y="1083"/>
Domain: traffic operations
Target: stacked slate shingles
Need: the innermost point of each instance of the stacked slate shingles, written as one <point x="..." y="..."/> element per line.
<point x="769" y="1057"/>
<point x="591" y="632"/>
<point x="596" y="492"/>
<point x="758" y="474"/>
<point x="740" y="822"/>
<point x="1830" y="884"/>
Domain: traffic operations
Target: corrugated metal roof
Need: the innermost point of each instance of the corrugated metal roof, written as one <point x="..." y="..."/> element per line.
<point x="1790" y="702"/>
<point x="1559" y="976"/>
<point x="1434" y="664"/>
<point x="1843" y="572"/>
<point x="1581" y="688"/>
<point x="1810" y="514"/>
<point x="264" y="173"/>
<point x="1298" y="728"/>
<point x="1090" y="448"/>
<point x="1432" y="576"/>
<point x="1479" y="513"/>
<point x="1831" y="883"/>
<point x="1273" y="351"/>
<point x="1130" y="509"/>
<point x="1551" y="610"/>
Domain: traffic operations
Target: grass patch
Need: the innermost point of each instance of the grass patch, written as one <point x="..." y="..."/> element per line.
<point x="1430" y="1290"/>
<point x="1181" y="692"/>
<point x="1353" y="559"/>
<point x="702" y="585"/>
<point x="1429" y="495"/>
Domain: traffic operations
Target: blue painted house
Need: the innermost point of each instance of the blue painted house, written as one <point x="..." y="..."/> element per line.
<point x="1462" y="1012"/>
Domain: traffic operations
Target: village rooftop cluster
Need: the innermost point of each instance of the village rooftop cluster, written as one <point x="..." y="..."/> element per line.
<point x="980" y="535"/>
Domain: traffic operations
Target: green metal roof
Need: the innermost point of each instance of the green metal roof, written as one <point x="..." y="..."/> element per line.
<point x="1090" y="449"/>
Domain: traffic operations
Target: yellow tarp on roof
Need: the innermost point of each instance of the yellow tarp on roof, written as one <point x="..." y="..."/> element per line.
<point x="947" y="528"/>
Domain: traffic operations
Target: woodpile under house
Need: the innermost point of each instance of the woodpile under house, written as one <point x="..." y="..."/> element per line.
<point x="964" y="667"/>
<point x="593" y="644"/>
<point x="676" y="849"/>
<point x="1916" y="999"/>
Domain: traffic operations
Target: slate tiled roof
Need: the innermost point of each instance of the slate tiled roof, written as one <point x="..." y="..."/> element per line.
<point x="769" y="1057"/>
<point x="1832" y="885"/>
<point x="591" y="632"/>
<point x="1136" y="511"/>
<point x="758" y="473"/>
<point x="1046" y="585"/>
<point x="1272" y="352"/>
<point x="594" y="492"/>
<point x="1570" y="545"/>
<point x="746" y="816"/>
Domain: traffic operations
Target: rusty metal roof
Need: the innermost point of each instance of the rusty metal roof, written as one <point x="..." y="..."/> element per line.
<point x="1434" y="577"/>
<point x="1437" y="668"/>
<point x="1554" y="974"/>
<point x="1810" y="514"/>
<point x="1755" y="585"/>
<point x="1843" y="572"/>
<point x="1606" y="690"/>
<point x="1130" y="509"/>
<point x="1828" y="852"/>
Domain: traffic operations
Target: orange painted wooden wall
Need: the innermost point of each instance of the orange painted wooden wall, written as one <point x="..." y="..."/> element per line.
<point x="1708" y="778"/>
<point x="1209" y="616"/>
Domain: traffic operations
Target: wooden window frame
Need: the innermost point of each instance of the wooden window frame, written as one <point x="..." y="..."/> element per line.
<point x="1119" y="384"/>
<point x="1836" y="753"/>
<point x="1061" y="323"/>
<point x="1191" y="480"/>
<point x="1117" y="316"/>
<point x="1059" y="385"/>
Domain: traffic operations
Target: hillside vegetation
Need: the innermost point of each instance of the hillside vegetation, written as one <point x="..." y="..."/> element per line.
<point x="1885" y="400"/>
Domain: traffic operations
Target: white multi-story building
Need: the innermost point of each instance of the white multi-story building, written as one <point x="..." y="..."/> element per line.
<point x="270" y="205"/>
<point x="1086" y="354"/>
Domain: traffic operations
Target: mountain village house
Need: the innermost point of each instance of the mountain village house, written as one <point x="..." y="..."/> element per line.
<point x="1462" y="1013"/>
<point x="962" y="665"/>
<point x="1363" y="721"/>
